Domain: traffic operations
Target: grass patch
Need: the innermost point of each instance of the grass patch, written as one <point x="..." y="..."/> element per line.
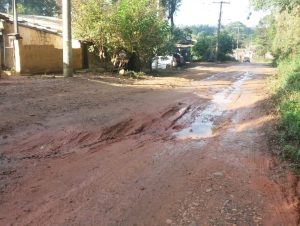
<point x="286" y="89"/>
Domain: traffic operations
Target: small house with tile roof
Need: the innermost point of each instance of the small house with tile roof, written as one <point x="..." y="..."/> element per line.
<point x="39" y="47"/>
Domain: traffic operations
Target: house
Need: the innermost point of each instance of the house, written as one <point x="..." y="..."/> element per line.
<point x="38" y="49"/>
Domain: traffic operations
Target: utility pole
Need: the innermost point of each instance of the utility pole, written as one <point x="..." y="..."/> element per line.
<point x="219" y="28"/>
<point x="16" y="41"/>
<point x="16" y="29"/>
<point x="67" y="38"/>
<point x="237" y="43"/>
<point x="238" y="38"/>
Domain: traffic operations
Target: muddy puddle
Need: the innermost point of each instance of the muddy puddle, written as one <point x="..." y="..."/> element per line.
<point x="204" y="123"/>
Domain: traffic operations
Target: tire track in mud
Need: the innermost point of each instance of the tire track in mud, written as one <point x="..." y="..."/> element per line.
<point x="125" y="129"/>
<point x="63" y="142"/>
<point x="136" y="171"/>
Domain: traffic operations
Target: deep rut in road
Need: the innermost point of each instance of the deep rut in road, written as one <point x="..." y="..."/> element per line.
<point x="189" y="155"/>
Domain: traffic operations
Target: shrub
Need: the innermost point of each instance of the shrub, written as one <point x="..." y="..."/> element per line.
<point x="287" y="91"/>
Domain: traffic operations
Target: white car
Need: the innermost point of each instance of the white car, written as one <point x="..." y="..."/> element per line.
<point x="163" y="62"/>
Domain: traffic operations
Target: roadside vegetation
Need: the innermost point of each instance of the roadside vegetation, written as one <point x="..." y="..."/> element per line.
<point x="279" y="34"/>
<point x="234" y="35"/>
<point x="35" y="7"/>
<point x="287" y="92"/>
<point x="126" y="32"/>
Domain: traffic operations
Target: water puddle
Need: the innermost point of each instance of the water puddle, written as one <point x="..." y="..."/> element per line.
<point x="203" y="126"/>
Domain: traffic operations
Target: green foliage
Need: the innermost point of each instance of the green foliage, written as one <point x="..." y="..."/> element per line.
<point x="239" y="31"/>
<point x="204" y="48"/>
<point x="171" y="6"/>
<point x="245" y="33"/>
<point x="264" y="35"/>
<point x="139" y="29"/>
<point x="280" y="4"/>
<point x="287" y="38"/>
<point x="280" y="32"/>
<point x="130" y="25"/>
<point x="32" y="7"/>
<point x="226" y="44"/>
<point x="287" y="91"/>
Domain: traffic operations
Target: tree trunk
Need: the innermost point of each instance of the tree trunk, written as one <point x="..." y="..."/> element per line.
<point x="172" y="21"/>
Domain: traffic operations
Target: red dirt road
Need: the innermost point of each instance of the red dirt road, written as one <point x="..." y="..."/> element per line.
<point x="188" y="149"/>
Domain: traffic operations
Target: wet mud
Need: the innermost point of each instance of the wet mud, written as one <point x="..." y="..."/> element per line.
<point x="188" y="149"/>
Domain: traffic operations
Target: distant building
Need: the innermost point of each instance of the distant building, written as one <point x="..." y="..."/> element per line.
<point x="184" y="48"/>
<point x="241" y="54"/>
<point x="39" y="49"/>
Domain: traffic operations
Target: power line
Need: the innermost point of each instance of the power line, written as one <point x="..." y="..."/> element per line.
<point x="219" y="27"/>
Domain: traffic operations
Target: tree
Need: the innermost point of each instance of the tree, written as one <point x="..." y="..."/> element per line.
<point x="287" y="34"/>
<point x="125" y="25"/>
<point x="226" y="45"/>
<point x="279" y="33"/>
<point x="34" y="7"/>
<point x="171" y="7"/>
<point x="264" y="35"/>
<point x="139" y="28"/>
<point x="240" y="33"/>
<point x="280" y="4"/>
<point x="203" y="48"/>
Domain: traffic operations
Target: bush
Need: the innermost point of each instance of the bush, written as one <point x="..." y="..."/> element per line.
<point x="130" y="26"/>
<point x="287" y="91"/>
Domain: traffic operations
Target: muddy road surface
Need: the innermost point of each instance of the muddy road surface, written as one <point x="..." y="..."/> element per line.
<point x="188" y="149"/>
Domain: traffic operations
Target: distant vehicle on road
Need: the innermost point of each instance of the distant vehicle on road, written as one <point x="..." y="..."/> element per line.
<point x="246" y="59"/>
<point x="163" y="62"/>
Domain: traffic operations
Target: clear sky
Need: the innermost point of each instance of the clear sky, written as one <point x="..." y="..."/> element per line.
<point x="193" y="12"/>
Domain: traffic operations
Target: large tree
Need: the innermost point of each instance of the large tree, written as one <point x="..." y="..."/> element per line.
<point x="132" y="26"/>
<point x="280" y="31"/>
<point x="264" y="35"/>
<point x="171" y="7"/>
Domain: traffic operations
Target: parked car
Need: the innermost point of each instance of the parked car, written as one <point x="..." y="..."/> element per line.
<point x="163" y="62"/>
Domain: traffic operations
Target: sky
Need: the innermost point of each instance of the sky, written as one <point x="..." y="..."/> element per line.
<point x="194" y="12"/>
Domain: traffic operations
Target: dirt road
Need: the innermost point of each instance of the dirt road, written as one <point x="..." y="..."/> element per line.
<point x="188" y="149"/>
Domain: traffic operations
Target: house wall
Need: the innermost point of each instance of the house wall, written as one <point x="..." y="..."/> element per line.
<point x="9" y="58"/>
<point x="46" y="59"/>
<point x="40" y="51"/>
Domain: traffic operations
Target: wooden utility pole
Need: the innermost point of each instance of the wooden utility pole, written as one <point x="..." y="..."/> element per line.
<point x="67" y="38"/>
<point x="219" y="28"/>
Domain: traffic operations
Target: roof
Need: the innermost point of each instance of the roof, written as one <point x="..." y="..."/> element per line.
<point x="42" y="23"/>
<point x="2" y="17"/>
<point x="184" y="45"/>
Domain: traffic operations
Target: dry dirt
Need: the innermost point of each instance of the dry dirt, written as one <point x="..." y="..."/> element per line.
<point x="188" y="149"/>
